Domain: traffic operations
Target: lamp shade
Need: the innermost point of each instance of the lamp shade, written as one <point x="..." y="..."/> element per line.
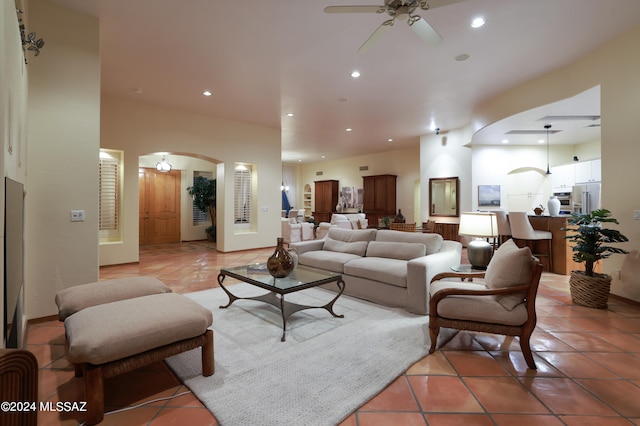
<point x="478" y="224"/>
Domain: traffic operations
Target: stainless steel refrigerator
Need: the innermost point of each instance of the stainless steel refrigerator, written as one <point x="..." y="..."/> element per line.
<point x="586" y="198"/>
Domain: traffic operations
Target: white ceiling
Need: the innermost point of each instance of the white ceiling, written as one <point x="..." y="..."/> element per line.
<point x="265" y="58"/>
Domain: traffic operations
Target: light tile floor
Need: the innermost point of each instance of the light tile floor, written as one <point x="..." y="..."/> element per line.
<point x="588" y="364"/>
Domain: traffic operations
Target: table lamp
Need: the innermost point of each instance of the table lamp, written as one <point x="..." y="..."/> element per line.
<point x="480" y="225"/>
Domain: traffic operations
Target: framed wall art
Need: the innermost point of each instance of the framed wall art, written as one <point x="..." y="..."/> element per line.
<point x="488" y="195"/>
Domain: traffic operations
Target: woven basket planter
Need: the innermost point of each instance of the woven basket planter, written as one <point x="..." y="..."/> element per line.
<point x="592" y="292"/>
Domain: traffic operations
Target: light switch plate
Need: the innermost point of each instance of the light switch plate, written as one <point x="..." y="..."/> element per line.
<point x="77" y="215"/>
<point x="636" y="214"/>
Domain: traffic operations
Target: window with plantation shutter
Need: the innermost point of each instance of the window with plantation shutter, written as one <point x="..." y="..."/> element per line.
<point x="243" y="195"/>
<point x="109" y="194"/>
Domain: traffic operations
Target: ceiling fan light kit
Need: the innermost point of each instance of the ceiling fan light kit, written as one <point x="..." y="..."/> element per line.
<point x="398" y="10"/>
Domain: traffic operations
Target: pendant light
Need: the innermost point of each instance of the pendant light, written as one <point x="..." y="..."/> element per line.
<point x="163" y="165"/>
<point x="548" y="126"/>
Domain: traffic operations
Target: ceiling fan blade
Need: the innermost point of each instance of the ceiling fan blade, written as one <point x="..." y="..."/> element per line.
<point x="354" y="9"/>
<point x="439" y="3"/>
<point x="425" y="31"/>
<point x="376" y="35"/>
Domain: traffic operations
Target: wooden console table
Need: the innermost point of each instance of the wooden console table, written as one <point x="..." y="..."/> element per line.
<point x="448" y="230"/>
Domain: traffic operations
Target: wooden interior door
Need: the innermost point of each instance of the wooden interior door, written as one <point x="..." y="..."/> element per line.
<point x="159" y="206"/>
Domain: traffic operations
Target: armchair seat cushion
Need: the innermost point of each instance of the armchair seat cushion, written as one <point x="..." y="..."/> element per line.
<point x="485" y="309"/>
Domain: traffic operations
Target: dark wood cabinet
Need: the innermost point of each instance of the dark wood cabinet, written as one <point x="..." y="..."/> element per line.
<point x="379" y="197"/>
<point x="326" y="198"/>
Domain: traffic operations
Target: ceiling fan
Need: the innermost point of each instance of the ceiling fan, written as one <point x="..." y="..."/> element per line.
<point x="398" y="10"/>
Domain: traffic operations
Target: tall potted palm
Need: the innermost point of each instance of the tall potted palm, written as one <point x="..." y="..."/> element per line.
<point x="203" y="192"/>
<point x="591" y="243"/>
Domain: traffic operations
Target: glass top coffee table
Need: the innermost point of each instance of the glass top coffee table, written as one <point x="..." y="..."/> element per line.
<point x="301" y="278"/>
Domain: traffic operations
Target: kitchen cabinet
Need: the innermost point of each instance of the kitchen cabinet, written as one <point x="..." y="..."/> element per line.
<point x="525" y="191"/>
<point x="379" y="197"/>
<point x="588" y="171"/>
<point x="326" y="198"/>
<point x="563" y="178"/>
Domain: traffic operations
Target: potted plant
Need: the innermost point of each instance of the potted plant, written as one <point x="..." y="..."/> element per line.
<point x="591" y="243"/>
<point x="203" y="192"/>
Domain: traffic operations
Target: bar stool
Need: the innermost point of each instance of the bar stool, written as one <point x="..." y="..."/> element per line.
<point x="521" y="229"/>
<point x="504" y="229"/>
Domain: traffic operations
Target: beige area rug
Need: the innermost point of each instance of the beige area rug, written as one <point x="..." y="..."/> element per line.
<point x="326" y="369"/>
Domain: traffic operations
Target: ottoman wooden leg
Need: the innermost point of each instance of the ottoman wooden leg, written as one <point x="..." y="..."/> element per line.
<point x="94" y="394"/>
<point x="208" y="363"/>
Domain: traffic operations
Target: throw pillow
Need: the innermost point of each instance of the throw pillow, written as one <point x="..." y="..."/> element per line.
<point x="354" y="247"/>
<point x="349" y="235"/>
<point x="510" y="266"/>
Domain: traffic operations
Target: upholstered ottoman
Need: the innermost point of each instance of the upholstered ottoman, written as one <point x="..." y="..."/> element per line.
<point x="73" y="299"/>
<point x="113" y="338"/>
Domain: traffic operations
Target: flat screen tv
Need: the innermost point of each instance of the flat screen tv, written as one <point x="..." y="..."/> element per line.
<point x="13" y="259"/>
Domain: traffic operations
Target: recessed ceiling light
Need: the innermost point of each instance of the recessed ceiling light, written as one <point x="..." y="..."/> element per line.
<point x="137" y="91"/>
<point x="390" y="140"/>
<point x="323" y="156"/>
<point x="207" y="93"/>
<point x="505" y="140"/>
<point x="355" y="74"/>
<point x="349" y="129"/>
<point x="477" y="22"/>
<point x="289" y="114"/>
<point x="461" y="58"/>
<point x="541" y="141"/>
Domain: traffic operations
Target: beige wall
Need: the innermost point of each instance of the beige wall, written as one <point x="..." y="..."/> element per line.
<point x="446" y="155"/>
<point x="616" y="70"/>
<point x="403" y="163"/>
<point x="13" y="119"/>
<point x="139" y="128"/>
<point x="63" y="148"/>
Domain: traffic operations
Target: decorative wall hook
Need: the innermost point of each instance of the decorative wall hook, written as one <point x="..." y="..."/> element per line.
<point x="29" y="39"/>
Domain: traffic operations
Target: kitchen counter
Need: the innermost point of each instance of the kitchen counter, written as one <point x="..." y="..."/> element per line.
<point x="561" y="249"/>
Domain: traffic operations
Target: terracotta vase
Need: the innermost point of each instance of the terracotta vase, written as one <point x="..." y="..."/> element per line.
<point x="280" y="263"/>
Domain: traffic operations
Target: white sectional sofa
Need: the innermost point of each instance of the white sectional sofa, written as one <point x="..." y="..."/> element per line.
<point x="391" y="268"/>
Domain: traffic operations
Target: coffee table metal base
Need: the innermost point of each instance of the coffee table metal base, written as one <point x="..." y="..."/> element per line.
<point x="286" y="308"/>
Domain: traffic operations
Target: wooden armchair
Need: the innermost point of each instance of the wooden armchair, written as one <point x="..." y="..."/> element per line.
<point x="504" y="304"/>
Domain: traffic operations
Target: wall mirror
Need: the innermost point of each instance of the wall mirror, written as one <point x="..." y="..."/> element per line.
<point x="443" y="196"/>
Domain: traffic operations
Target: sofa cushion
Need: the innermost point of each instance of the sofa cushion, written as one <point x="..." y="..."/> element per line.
<point x="328" y="260"/>
<point x="476" y="308"/>
<point x="350" y="235"/>
<point x="354" y="247"/>
<point x="432" y="242"/>
<point x="391" y="250"/>
<point x="390" y="271"/>
<point x="348" y="241"/>
<point x="510" y="266"/>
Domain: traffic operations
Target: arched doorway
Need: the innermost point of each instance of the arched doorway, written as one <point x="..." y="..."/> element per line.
<point x="166" y="212"/>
